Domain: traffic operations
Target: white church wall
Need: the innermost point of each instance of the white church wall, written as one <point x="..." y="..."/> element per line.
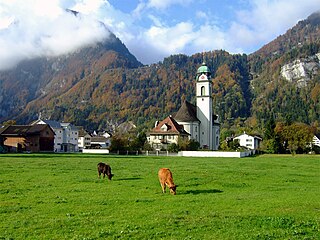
<point x="215" y="154"/>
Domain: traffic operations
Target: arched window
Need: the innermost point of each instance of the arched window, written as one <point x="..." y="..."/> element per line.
<point x="203" y="91"/>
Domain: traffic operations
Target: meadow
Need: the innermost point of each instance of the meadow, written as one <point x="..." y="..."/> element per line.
<point x="59" y="196"/>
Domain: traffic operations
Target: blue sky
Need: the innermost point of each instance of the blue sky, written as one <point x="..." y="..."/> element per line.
<point x="151" y="29"/>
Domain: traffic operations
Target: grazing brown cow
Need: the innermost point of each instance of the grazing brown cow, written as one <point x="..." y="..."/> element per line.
<point x="165" y="178"/>
<point x="104" y="169"/>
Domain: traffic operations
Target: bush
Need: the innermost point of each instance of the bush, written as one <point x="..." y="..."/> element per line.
<point x="173" y="147"/>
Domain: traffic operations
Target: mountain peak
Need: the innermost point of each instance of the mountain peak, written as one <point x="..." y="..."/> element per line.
<point x="314" y="18"/>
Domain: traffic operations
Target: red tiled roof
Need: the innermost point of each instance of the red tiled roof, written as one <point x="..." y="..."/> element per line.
<point x="172" y="127"/>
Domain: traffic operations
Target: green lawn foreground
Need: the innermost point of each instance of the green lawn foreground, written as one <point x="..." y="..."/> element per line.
<point x="58" y="196"/>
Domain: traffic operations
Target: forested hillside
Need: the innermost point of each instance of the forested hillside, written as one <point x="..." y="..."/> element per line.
<point x="41" y="80"/>
<point x="103" y="86"/>
<point x="274" y="96"/>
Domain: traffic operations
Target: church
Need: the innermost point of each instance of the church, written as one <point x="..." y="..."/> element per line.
<point x="197" y="122"/>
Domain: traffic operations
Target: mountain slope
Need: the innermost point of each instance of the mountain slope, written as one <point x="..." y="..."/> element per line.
<point x="145" y="94"/>
<point x="104" y="85"/>
<point x="275" y="95"/>
<point x="42" y="79"/>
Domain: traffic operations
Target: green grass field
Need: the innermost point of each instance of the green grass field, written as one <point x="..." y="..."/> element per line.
<point x="58" y="196"/>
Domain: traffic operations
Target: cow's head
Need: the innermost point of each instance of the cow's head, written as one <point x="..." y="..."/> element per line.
<point x="110" y="176"/>
<point x="173" y="189"/>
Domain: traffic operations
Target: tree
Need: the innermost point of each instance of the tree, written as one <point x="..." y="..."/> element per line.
<point x="8" y="123"/>
<point x="183" y="144"/>
<point x="173" y="147"/>
<point x="118" y="144"/>
<point x="269" y="129"/>
<point x="193" y="145"/>
<point x="297" y="137"/>
<point x="272" y="145"/>
<point x="234" y="145"/>
<point x="138" y="142"/>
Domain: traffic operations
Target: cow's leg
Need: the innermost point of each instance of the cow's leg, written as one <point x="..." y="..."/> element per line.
<point x="163" y="186"/>
<point x="99" y="174"/>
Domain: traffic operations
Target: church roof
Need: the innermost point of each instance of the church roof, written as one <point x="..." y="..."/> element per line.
<point x="187" y="113"/>
<point x="203" y="69"/>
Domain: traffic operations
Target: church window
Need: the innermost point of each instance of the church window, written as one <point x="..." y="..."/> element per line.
<point x="203" y="91"/>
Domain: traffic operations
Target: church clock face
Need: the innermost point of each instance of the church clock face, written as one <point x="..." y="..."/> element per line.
<point x="203" y="77"/>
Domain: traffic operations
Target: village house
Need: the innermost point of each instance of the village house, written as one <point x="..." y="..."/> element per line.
<point x="84" y="139"/>
<point x="100" y="142"/>
<point x="250" y="142"/>
<point x="166" y="132"/>
<point x="66" y="135"/>
<point x="28" y="138"/>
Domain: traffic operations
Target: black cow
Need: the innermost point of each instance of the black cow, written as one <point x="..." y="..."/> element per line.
<point x="104" y="169"/>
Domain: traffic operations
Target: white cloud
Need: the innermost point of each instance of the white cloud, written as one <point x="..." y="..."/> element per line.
<point x="150" y="32"/>
<point x="266" y="20"/>
<point x="5" y="22"/>
<point x="202" y="14"/>
<point x="247" y="31"/>
<point x="208" y="38"/>
<point x="163" y="4"/>
<point x="159" y="42"/>
<point x="90" y="6"/>
<point x="43" y="29"/>
<point x="171" y="40"/>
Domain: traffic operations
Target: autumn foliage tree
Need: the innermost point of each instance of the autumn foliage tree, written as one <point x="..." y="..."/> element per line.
<point x="296" y="137"/>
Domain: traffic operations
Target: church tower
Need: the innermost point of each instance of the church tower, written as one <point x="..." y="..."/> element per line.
<point x="204" y="108"/>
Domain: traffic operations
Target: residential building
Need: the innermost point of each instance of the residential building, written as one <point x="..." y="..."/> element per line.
<point x="28" y="138"/>
<point x="250" y="142"/>
<point x="316" y="140"/>
<point x="166" y="132"/>
<point x="66" y="135"/>
<point x="84" y="139"/>
<point x="100" y="142"/>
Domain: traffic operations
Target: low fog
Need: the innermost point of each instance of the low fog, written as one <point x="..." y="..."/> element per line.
<point x="42" y="35"/>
